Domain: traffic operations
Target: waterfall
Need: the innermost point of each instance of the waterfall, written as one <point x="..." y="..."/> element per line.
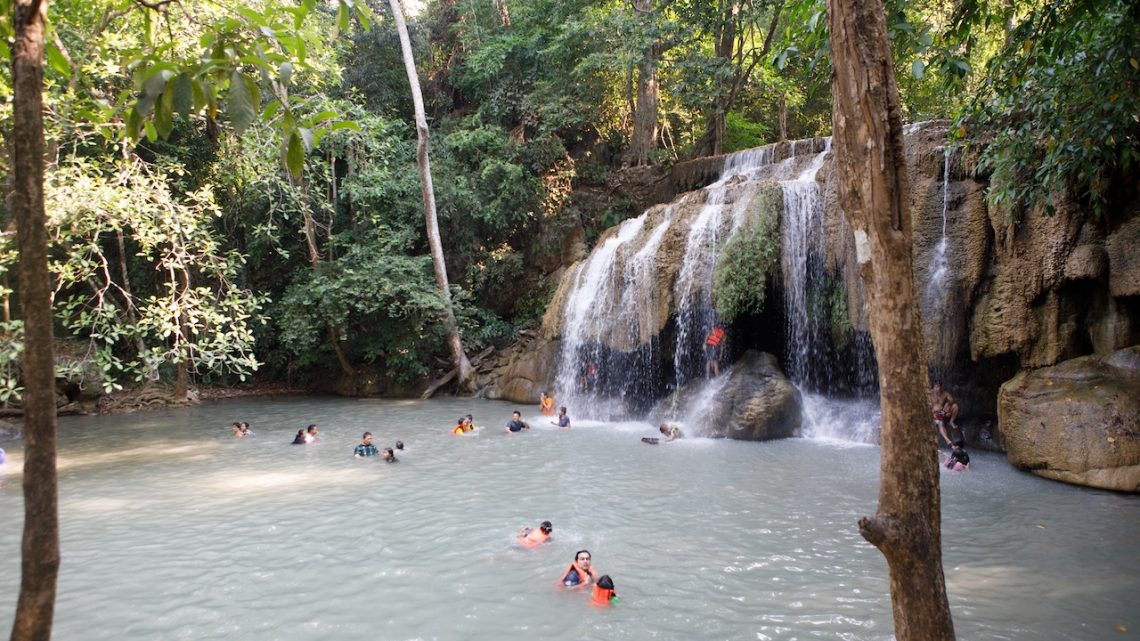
<point x="936" y="296"/>
<point x="801" y="263"/>
<point x="612" y="297"/>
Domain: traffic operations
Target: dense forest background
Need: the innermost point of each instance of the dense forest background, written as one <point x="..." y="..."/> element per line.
<point x="268" y="220"/>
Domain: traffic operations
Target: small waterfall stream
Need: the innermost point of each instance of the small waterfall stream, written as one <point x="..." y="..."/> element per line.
<point x="801" y="250"/>
<point x="936" y="296"/>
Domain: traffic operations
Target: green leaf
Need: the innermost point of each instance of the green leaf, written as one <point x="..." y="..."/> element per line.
<point x="151" y="133"/>
<point x="182" y="98"/>
<point x="241" y="103"/>
<point x="285" y="73"/>
<point x="55" y="59"/>
<point x="270" y="111"/>
<point x="295" y="155"/>
<point x="163" y="118"/>
<point x="918" y="69"/>
<point x="155" y="84"/>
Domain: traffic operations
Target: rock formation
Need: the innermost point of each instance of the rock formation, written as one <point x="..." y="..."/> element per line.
<point x="1078" y="421"/>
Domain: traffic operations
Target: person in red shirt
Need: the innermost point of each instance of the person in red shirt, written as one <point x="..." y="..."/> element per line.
<point x="713" y="347"/>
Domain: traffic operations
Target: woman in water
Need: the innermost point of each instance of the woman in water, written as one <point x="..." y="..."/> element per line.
<point x="580" y="571"/>
<point x="300" y="438"/>
<point x="604" y="593"/>
<point x="546" y="405"/>
<point x="530" y="537"/>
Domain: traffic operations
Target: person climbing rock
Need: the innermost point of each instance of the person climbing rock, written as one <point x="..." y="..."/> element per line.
<point x="713" y="347"/>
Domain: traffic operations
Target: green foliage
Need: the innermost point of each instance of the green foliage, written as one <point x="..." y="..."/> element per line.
<point x="750" y="257"/>
<point x="11" y="351"/>
<point x="1059" y="108"/>
<point x="740" y="133"/>
<point x="194" y="315"/>
<point x="383" y="302"/>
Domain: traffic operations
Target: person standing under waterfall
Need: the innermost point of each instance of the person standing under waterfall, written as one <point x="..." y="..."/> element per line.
<point x="546" y="404"/>
<point x="713" y="347"/>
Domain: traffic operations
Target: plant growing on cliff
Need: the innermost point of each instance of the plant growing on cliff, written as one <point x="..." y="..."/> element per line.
<point x="1059" y="109"/>
<point x="748" y="258"/>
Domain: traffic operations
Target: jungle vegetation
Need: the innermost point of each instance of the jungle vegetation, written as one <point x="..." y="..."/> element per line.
<point x="232" y="189"/>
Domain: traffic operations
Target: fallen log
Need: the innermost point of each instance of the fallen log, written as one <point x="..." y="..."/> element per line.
<point x="447" y="378"/>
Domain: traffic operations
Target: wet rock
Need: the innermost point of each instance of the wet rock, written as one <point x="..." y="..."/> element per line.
<point x="1123" y="259"/>
<point x="529" y="374"/>
<point x="1077" y="422"/>
<point x="757" y="402"/>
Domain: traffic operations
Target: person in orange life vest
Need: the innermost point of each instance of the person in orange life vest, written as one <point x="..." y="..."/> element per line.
<point x="604" y="593"/>
<point x="460" y="426"/>
<point x="546" y="405"/>
<point x="531" y="537"/>
<point x="580" y="571"/>
<point x="713" y="346"/>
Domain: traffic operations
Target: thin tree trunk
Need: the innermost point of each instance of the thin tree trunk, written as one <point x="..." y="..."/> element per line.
<point x="872" y="181"/>
<point x="783" y="117"/>
<point x="466" y="372"/>
<point x="39" y="552"/>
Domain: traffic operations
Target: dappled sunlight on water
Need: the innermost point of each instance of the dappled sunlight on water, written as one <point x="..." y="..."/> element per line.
<point x="174" y="529"/>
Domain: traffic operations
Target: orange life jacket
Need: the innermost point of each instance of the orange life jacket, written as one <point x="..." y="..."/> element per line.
<point x="715" y="337"/>
<point x="584" y="576"/>
<point x="458" y="429"/>
<point x="601" y="596"/>
<point x="534" y="537"/>
<point x="547" y="406"/>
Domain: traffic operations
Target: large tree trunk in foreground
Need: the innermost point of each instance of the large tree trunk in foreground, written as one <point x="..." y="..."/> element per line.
<point x="466" y="372"/>
<point x="872" y="181"/>
<point x="40" y="550"/>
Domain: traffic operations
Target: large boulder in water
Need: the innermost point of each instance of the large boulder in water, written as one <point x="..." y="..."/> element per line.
<point x="756" y="402"/>
<point x="527" y="375"/>
<point x="1078" y="421"/>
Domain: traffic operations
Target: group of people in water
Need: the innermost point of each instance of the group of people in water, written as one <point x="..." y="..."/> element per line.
<point x="580" y="574"/>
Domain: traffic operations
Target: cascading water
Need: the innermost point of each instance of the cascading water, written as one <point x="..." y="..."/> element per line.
<point x="936" y="296"/>
<point x="801" y="262"/>
<point x="612" y="297"/>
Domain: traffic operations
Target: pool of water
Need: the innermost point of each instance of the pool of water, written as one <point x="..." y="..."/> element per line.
<point x="172" y="529"/>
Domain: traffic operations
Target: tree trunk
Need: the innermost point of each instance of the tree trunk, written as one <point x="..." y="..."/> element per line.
<point x="39" y="552"/>
<point x="872" y="186"/>
<point x="466" y="372"/>
<point x="644" y="138"/>
<point x="783" y="117"/>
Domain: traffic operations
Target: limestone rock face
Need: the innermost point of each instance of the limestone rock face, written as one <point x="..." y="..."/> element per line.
<point x="1124" y="260"/>
<point x="528" y="375"/>
<point x="756" y="403"/>
<point x="1077" y="422"/>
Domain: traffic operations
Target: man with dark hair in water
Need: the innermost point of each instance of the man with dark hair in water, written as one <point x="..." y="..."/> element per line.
<point x="366" y="449"/>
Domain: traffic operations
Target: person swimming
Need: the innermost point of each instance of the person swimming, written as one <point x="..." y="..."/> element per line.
<point x="580" y="572"/>
<point x="300" y="438"/>
<point x="311" y="433"/>
<point x="546" y="404"/>
<point x="958" y="460"/>
<point x="604" y="594"/>
<point x="400" y="446"/>
<point x="530" y="537"/>
<point x="563" y="420"/>
<point x="390" y="456"/>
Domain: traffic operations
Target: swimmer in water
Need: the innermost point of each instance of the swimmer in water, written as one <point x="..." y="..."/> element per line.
<point x="516" y="424"/>
<point x="390" y="456"/>
<point x="400" y="445"/>
<point x="959" y="460"/>
<point x="563" y="420"/>
<point x="300" y="438"/>
<point x="311" y="433"/>
<point x="236" y="430"/>
<point x="604" y="593"/>
<point x="580" y="571"/>
<point x="534" y="536"/>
